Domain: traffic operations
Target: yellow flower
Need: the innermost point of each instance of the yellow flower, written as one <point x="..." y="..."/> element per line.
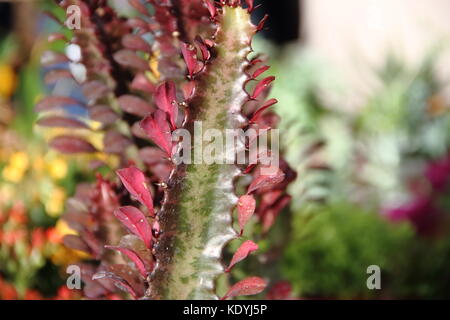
<point x="55" y="204"/>
<point x="57" y="168"/>
<point x="19" y="160"/>
<point x="63" y="228"/>
<point x="7" y="80"/>
<point x="12" y="174"/>
<point x="153" y="64"/>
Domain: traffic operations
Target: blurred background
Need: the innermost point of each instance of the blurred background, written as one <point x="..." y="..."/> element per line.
<point x="364" y="97"/>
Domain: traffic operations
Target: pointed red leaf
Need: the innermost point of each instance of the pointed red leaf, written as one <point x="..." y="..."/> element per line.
<point x="258" y="112"/>
<point x="71" y="144"/>
<point x="260" y="71"/>
<point x="133" y="256"/>
<point x="166" y="100"/>
<point x="188" y="89"/>
<point x="211" y="8"/>
<point x="134" y="181"/>
<point x="206" y="55"/>
<point x="244" y="250"/>
<point x="190" y="57"/>
<point x="134" y="105"/>
<point x="249" y="286"/>
<point x="261" y="86"/>
<point x="157" y="129"/>
<point x="250" y="5"/>
<point x="266" y="180"/>
<point x="262" y="22"/>
<point x="135" y="221"/>
<point x="246" y="207"/>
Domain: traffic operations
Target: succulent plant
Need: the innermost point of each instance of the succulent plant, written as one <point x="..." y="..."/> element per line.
<point x="147" y="78"/>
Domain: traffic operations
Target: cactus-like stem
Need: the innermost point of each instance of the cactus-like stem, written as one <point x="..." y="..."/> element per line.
<point x="196" y="215"/>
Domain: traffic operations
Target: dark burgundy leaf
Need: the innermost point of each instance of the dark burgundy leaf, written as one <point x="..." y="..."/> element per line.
<point x="103" y="114"/>
<point x="115" y="142"/>
<point x="55" y="102"/>
<point x="190" y="57"/>
<point x="135" y="42"/>
<point x="134" y="105"/>
<point x="61" y="122"/>
<point x="75" y="242"/>
<point x="128" y="58"/>
<point x="71" y="144"/>
<point x="133" y="256"/>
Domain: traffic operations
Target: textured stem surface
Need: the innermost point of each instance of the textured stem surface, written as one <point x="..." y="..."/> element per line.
<point x="196" y="215"/>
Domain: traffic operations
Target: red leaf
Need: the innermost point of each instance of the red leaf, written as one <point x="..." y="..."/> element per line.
<point x="128" y="58"/>
<point x="188" y="89"/>
<point x="134" y="105"/>
<point x="61" y="122"/>
<point x="166" y="100"/>
<point x="206" y="55"/>
<point x="261" y="23"/>
<point x="133" y="256"/>
<point x="211" y="8"/>
<point x="244" y="250"/>
<point x="266" y="180"/>
<point x="250" y="5"/>
<point x="141" y="82"/>
<point x="71" y="144"/>
<point x="103" y="114"/>
<point x="115" y="142"/>
<point x="118" y="281"/>
<point x="157" y="128"/>
<point x="261" y="86"/>
<point x="249" y="286"/>
<point x="55" y="102"/>
<point x="258" y="112"/>
<point x="135" y="42"/>
<point x="94" y="90"/>
<point x="134" y="181"/>
<point x="190" y="57"/>
<point x="246" y="207"/>
<point x="260" y="71"/>
<point x="136" y="222"/>
<point x="75" y="242"/>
